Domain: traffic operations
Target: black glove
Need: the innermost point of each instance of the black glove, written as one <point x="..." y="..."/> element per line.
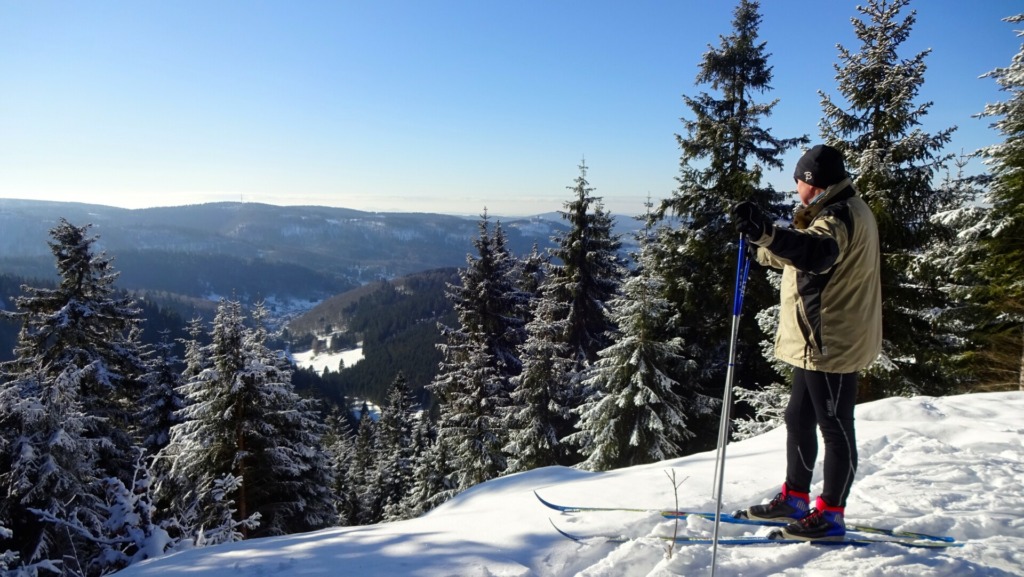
<point x="749" y="220"/>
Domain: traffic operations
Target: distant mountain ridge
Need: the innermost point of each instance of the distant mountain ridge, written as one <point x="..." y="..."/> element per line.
<point x="325" y="250"/>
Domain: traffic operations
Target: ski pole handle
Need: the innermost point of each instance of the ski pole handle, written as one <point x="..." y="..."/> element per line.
<point x="742" y="272"/>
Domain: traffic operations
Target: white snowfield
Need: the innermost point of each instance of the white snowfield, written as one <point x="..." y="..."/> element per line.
<point x="329" y="360"/>
<point x="950" y="465"/>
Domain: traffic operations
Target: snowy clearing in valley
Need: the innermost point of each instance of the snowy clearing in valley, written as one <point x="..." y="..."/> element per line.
<point x="332" y="361"/>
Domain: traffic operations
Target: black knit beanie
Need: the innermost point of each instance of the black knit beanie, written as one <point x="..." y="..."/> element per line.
<point x="821" y="167"/>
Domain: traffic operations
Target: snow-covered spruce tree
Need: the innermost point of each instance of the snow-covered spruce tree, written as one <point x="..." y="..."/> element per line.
<point x="247" y="433"/>
<point x="586" y="271"/>
<point x="103" y="333"/>
<point x="724" y="153"/>
<point x="509" y="326"/>
<point x="49" y="465"/>
<point x="949" y="264"/>
<point x="169" y="489"/>
<point x="584" y="275"/>
<point x="207" y="446"/>
<point x="1001" y="359"/>
<point x="894" y="163"/>
<point x="433" y="480"/>
<point x="529" y="274"/>
<point x="480" y="357"/>
<point x="226" y="525"/>
<point x="64" y="401"/>
<point x="288" y="474"/>
<point x="128" y="531"/>
<point x="488" y="303"/>
<point x="340" y="445"/>
<point x="394" y="463"/>
<point x="538" y="411"/>
<point x="639" y="414"/>
<point x="471" y="424"/>
<point x="421" y="488"/>
<point x="195" y="353"/>
<point x="131" y="531"/>
<point x="364" y="510"/>
<point x="535" y="414"/>
<point x="161" y="402"/>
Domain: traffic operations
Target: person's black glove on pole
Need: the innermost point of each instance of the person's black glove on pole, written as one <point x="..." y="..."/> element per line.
<point x="749" y="220"/>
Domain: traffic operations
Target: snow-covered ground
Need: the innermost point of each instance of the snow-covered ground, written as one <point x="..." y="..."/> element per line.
<point x="951" y="465"/>
<point x="331" y="361"/>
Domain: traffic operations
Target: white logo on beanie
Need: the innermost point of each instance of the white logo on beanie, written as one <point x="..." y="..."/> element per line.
<point x="808" y="177"/>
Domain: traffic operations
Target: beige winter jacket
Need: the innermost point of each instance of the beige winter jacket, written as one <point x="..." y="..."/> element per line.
<point x="831" y="314"/>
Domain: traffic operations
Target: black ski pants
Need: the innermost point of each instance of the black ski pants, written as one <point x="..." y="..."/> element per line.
<point x="825" y="401"/>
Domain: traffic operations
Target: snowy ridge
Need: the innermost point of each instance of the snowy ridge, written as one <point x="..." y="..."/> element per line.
<point x="950" y="465"/>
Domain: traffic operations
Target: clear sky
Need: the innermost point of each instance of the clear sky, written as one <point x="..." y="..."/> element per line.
<point x="448" y="106"/>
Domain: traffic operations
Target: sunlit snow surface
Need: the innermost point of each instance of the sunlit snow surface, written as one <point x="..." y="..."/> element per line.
<point x="331" y="360"/>
<point x="951" y="465"/>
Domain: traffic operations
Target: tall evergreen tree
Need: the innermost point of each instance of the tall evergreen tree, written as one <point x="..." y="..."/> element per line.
<point x="639" y="413"/>
<point x="340" y="445"/>
<point x="586" y="271"/>
<point x="471" y="421"/>
<point x="538" y="414"/>
<point x="530" y="272"/>
<point x="169" y="489"/>
<point x="364" y="509"/>
<point x="49" y="463"/>
<point x="949" y="265"/>
<point x="725" y="152"/>
<point x="205" y="447"/>
<point x="161" y="405"/>
<point x="161" y="402"/>
<point x="395" y="450"/>
<point x="433" y="478"/>
<point x="489" y="305"/>
<point x="195" y="355"/>
<point x="480" y="359"/>
<point x="534" y="415"/>
<point x="583" y="276"/>
<point x="248" y="442"/>
<point x="128" y="530"/>
<point x="65" y="398"/>
<point x="1001" y="359"/>
<point x="289" y="474"/>
<point x="894" y="163"/>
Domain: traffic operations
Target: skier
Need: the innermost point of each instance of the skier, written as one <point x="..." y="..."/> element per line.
<point x="830" y="328"/>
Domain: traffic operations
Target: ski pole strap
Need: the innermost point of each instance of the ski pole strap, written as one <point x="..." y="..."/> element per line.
<point x="742" y="272"/>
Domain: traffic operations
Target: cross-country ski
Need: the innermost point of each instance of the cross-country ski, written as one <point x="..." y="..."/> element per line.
<point x="738" y="519"/>
<point x="772" y="538"/>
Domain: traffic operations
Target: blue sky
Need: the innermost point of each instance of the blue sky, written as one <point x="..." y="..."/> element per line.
<point x="448" y="106"/>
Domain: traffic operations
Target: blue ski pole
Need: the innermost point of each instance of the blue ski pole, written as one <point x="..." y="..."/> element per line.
<point x="742" y="272"/>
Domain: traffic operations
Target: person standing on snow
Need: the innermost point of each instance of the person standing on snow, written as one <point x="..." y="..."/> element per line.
<point x="830" y="328"/>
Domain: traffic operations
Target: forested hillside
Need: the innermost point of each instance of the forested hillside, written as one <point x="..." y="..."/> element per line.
<point x="397" y="323"/>
<point x="252" y="250"/>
